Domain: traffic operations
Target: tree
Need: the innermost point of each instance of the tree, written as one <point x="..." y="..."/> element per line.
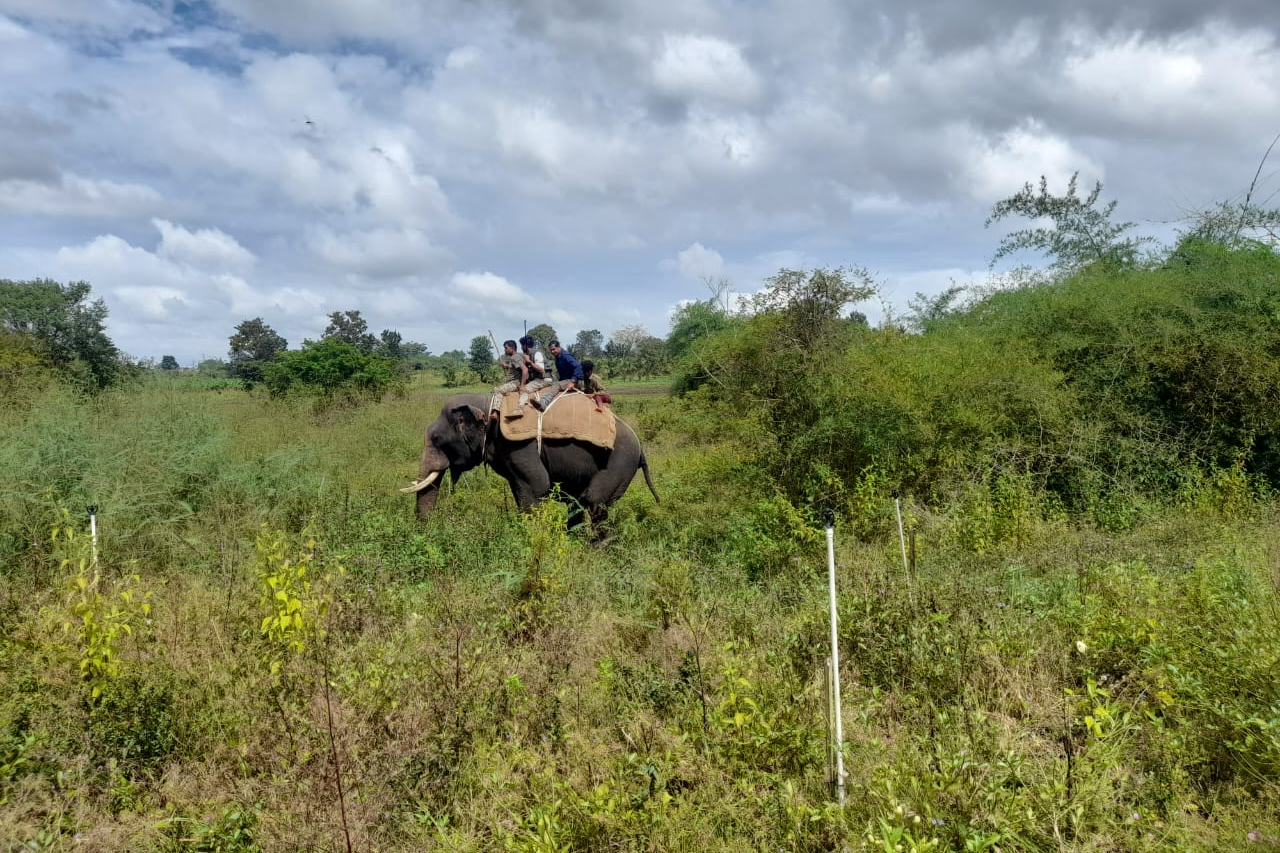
<point x="68" y="329"/>
<point x="1237" y="224"/>
<point x="543" y="334"/>
<point x="253" y="346"/>
<point x="625" y="340"/>
<point x="589" y="344"/>
<point x="692" y="322"/>
<point x="482" y="358"/>
<point x="331" y="368"/>
<point x="214" y="368"/>
<point x="649" y="356"/>
<point x="391" y="344"/>
<point x="168" y="362"/>
<point x="413" y="349"/>
<point x="453" y="364"/>
<point x="926" y="311"/>
<point x="809" y="305"/>
<point x="350" y="327"/>
<point x="1081" y="233"/>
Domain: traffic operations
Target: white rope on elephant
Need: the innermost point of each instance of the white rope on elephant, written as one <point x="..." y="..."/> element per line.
<point x="542" y="413"/>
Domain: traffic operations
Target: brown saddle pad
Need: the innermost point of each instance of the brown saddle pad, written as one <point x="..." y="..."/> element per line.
<point x="570" y="415"/>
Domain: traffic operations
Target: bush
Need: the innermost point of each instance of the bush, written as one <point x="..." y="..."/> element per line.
<point x="1107" y="385"/>
<point x="136" y="721"/>
<point x="23" y="371"/>
<point x="332" y="369"/>
<point x="1178" y="365"/>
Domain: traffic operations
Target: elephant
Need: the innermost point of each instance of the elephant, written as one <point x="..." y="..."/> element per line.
<point x="590" y="478"/>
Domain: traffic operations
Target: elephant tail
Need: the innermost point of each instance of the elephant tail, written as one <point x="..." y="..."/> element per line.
<point x="644" y="466"/>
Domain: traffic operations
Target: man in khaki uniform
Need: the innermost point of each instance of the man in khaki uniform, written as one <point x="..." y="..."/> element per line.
<point x="517" y="375"/>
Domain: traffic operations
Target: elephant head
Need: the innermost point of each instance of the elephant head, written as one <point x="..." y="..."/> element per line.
<point x="455" y="442"/>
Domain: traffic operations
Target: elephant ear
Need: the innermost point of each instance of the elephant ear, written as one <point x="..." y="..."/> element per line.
<point x="464" y="416"/>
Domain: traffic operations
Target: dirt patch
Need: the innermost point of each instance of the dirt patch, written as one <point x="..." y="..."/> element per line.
<point x="645" y="390"/>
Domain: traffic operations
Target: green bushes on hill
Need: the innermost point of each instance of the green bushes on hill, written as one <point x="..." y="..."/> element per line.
<point x="1111" y="380"/>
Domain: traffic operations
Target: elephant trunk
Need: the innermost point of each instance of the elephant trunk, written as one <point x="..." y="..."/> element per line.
<point x="430" y="471"/>
<point x="427" y="500"/>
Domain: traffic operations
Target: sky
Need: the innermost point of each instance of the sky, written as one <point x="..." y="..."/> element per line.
<point x="454" y="167"/>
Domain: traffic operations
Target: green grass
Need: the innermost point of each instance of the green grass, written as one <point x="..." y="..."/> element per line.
<point x="488" y="682"/>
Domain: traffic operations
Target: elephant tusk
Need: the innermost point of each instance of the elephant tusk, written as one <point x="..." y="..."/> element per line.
<point x="422" y="484"/>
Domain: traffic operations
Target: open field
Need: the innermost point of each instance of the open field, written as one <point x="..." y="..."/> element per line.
<point x="274" y="655"/>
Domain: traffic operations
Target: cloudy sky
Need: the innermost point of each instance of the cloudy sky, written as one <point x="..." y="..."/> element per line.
<point x="448" y="167"/>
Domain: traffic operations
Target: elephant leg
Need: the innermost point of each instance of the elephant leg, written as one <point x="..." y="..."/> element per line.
<point x="606" y="487"/>
<point x="526" y="475"/>
<point x="526" y="495"/>
<point x="599" y="523"/>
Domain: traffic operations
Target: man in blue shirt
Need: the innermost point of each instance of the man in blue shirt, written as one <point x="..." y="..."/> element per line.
<point x="569" y="371"/>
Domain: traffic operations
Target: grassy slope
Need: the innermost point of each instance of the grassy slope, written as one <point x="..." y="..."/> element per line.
<point x="493" y="683"/>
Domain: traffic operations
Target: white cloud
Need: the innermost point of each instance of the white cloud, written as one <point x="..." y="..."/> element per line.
<point x="487" y="287"/>
<point x="377" y="253"/>
<point x="1200" y="82"/>
<point x="462" y="57"/>
<point x="394" y="188"/>
<point x="118" y="17"/>
<point x="26" y="57"/>
<point x="697" y="66"/>
<point x="718" y="143"/>
<point x="301" y="85"/>
<point x="900" y="287"/>
<point x="189" y="279"/>
<point x="111" y="262"/>
<point x="480" y="298"/>
<point x="698" y="263"/>
<point x="574" y="157"/>
<point x="358" y="18"/>
<point x="208" y="247"/>
<point x="577" y="146"/>
<point x="74" y="195"/>
<point x="995" y="168"/>
<point x="152" y="303"/>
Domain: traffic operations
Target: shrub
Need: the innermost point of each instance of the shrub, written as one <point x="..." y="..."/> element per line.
<point x="1178" y="364"/>
<point x="331" y="369"/>
<point x="136" y="721"/>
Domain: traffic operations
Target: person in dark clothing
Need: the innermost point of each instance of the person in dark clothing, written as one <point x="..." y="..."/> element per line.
<point x="533" y="359"/>
<point x="592" y="385"/>
<point x="568" y="369"/>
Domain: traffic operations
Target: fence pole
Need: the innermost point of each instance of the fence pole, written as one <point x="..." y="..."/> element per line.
<point x="93" y="534"/>
<point x="902" y="541"/>
<point x="835" y="657"/>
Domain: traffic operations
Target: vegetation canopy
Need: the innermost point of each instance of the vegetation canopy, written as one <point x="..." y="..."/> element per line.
<point x="67" y="328"/>
<point x="332" y="368"/>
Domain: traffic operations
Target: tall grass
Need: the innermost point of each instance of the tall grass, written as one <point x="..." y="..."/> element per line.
<point x="489" y="681"/>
